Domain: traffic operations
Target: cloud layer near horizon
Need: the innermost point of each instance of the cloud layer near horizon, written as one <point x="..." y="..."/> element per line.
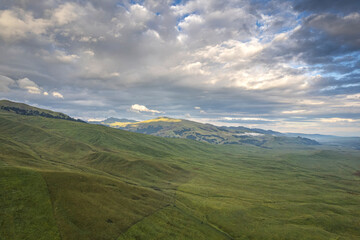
<point x="282" y="65"/>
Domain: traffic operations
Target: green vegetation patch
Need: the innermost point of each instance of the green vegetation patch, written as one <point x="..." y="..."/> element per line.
<point x="92" y="207"/>
<point x="172" y="223"/>
<point x="25" y="206"/>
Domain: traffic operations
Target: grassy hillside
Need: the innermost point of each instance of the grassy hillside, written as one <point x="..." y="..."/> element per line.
<point x="63" y="179"/>
<point x="180" y="128"/>
<point x="24" y="109"/>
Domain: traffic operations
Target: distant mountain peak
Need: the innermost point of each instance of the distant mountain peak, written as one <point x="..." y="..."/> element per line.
<point x="113" y="120"/>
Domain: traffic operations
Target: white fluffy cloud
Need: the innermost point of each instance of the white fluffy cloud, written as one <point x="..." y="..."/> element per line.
<point x="16" y="24"/>
<point x="141" y="108"/>
<point x="25" y="84"/>
<point x="57" y="95"/>
<point x="66" y="13"/>
<point x="29" y="85"/>
<point x="65" y="58"/>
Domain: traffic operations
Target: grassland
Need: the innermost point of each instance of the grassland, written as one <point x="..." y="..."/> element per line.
<point x="70" y="180"/>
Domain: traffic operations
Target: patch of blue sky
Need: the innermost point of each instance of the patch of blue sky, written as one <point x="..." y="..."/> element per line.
<point x="260" y="28"/>
<point x="120" y="4"/>
<point x="259" y="24"/>
<point x="182" y="18"/>
<point x="342" y="86"/>
<point x="314" y="73"/>
<point x="176" y="2"/>
<point x="260" y="1"/>
<point x="329" y="88"/>
<point x="356" y="71"/>
<point x="335" y="75"/>
<point x="133" y="2"/>
<point x="285" y="29"/>
<point x="302" y="15"/>
<point x="348" y="58"/>
<point x="350" y="85"/>
<point x="179" y="2"/>
<point x="298" y="65"/>
<point x="125" y="5"/>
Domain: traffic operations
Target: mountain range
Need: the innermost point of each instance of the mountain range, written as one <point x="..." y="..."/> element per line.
<point x="180" y="128"/>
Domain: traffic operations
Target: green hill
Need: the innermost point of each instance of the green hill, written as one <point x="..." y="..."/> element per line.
<point x="63" y="179"/>
<point x="180" y="128"/>
<point x="24" y="109"/>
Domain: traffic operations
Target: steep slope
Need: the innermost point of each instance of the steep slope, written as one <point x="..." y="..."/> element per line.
<point x="24" y="109"/>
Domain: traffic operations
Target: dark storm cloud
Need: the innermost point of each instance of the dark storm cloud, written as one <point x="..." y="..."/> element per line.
<point x="344" y="6"/>
<point x="339" y="28"/>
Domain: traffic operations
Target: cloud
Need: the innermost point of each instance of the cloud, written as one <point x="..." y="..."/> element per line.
<point x="89" y="52"/>
<point x="188" y="22"/>
<point x="96" y="119"/>
<point x="17" y="24"/>
<point x="245" y="119"/>
<point x="339" y="27"/>
<point x="141" y="108"/>
<point x="242" y="59"/>
<point x="327" y="5"/>
<point x="5" y="83"/>
<point x="62" y="57"/>
<point x="294" y="111"/>
<point x="353" y="96"/>
<point x="29" y="85"/>
<point x="337" y="120"/>
<point x="65" y="13"/>
<point x="57" y="95"/>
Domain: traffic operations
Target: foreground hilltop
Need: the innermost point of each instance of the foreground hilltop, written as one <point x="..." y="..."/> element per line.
<point x="180" y="128"/>
<point x="24" y="109"/>
<point x="63" y="179"/>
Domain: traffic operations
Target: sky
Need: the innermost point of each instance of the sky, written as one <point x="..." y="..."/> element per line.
<point x="290" y="66"/>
